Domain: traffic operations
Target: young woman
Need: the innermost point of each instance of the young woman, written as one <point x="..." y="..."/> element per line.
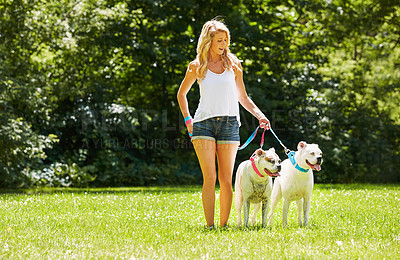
<point x="215" y="127"/>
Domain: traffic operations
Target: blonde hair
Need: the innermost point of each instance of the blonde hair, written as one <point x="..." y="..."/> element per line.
<point x="208" y="32"/>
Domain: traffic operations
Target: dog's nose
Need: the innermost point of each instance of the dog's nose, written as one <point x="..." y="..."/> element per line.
<point x="319" y="160"/>
<point x="279" y="167"/>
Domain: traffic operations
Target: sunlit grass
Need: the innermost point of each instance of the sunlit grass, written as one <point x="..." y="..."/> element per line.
<point x="346" y="222"/>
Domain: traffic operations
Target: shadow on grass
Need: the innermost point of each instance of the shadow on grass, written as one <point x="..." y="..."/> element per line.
<point x="256" y="228"/>
<point x="111" y="190"/>
<point x="179" y="189"/>
<point x="357" y="186"/>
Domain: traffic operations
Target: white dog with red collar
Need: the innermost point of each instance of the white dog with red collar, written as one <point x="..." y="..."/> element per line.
<point x="253" y="184"/>
<point x="296" y="181"/>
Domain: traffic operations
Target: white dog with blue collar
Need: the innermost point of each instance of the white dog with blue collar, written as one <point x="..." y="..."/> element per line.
<point x="296" y="181"/>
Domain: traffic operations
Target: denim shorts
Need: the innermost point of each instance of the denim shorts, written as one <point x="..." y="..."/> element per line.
<point x="222" y="130"/>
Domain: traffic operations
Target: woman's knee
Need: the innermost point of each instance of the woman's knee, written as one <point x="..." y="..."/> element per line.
<point x="225" y="180"/>
<point x="209" y="179"/>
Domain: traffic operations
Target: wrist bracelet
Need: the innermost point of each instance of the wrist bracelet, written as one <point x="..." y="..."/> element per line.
<point x="188" y="120"/>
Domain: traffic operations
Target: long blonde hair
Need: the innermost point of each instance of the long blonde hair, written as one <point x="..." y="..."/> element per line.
<point x="208" y="32"/>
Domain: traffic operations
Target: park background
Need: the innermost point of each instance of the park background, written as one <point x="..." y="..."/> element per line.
<point x="88" y="88"/>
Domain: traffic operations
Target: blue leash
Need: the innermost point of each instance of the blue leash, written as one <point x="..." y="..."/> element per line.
<point x="287" y="151"/>
<point x="248" y="141"/>
<point x="290" y="154"/>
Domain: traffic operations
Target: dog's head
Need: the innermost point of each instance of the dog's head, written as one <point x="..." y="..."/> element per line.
<point x="269" y="161"/>
<point x="310" y="154"/>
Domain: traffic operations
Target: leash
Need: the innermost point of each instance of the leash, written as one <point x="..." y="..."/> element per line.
<point x="251" y="137"/>
<point x="290" y="154"/>
<point x="287" y="151"/>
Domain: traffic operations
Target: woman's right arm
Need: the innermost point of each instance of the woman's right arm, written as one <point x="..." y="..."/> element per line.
<point x="186" y="84"/>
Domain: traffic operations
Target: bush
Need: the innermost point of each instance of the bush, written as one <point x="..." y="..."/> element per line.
<point x="61" y="175"/>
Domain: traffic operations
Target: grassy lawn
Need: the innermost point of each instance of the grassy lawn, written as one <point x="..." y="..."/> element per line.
<point x="346" y="222"/>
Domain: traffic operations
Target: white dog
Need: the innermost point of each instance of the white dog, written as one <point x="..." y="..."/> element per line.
<point x="253" y="184"/>
<point x="296" y="181"/>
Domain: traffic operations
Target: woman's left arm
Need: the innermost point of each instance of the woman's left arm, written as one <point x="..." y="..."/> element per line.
<point x="245" y="100"/>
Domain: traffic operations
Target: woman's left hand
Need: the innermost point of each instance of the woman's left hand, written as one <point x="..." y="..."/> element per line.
<point x="264" y="123"/>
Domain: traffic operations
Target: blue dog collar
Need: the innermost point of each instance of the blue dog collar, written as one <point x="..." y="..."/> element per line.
<point x="293" y="161"/>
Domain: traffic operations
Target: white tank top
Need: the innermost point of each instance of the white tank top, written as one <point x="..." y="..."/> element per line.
<point x="218" y="96"/>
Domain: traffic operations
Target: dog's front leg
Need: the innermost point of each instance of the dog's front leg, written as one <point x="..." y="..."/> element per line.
<point x="275" y="198"/>
<point x="265" y="205"/>
<point x="306" y="208"/>
<point x="286" y="204"/>
<point x="246" y="212"/>
<point x="299" y="211"/>
<point x="255" y="211"/>
<point x="238" y="205"/>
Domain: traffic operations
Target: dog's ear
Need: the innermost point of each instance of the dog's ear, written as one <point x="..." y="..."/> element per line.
<point x="301" y="145"/>
<point x="259" y="152"/>
<point x="272" y="149"/>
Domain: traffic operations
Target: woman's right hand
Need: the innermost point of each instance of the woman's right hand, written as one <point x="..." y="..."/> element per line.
<point x="264" y="123"/>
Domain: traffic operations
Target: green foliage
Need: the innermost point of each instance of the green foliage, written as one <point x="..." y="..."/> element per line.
<point x="61" y="175"/>
<point x="101" y="77"/>
<point x="22" y="150"/>
<point x="362" y="124"/>
<point x="22" y="104"/>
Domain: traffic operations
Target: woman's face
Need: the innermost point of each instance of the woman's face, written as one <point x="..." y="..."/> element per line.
<point x="219" y="43"/>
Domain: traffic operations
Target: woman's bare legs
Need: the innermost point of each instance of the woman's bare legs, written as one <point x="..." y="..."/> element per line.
<point x="226" y="154"/>
<point x="205" y="150"/>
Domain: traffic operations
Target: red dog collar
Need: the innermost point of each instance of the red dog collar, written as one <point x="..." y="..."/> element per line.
<point x="253" y="163"/>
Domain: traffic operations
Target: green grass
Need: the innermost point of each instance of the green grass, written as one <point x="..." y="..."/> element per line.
<point x="346" y="222"/>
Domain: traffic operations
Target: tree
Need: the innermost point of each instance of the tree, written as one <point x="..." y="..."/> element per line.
<point x="88" y="88"/>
